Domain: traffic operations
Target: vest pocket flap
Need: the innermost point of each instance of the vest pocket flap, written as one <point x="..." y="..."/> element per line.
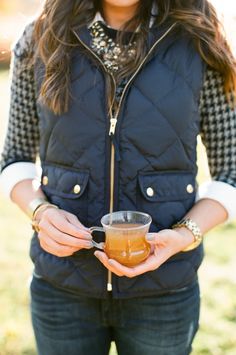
<point x="166" y="186"/>
<point x="63" y="182"/>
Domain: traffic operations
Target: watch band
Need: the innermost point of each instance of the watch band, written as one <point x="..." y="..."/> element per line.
<point x="193" y="227"/>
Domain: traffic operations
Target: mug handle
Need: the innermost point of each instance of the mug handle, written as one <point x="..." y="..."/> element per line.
<point x="95" y="244"/>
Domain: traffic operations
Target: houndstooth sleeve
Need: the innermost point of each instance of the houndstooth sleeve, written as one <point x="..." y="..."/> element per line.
<point x="218" y="133"/>
<point x="21" y="144"/>
<point x="22" y="136"/>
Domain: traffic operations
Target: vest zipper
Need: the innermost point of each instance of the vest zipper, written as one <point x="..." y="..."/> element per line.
<point x="111" y="130"/>
<point x="114" y="116"/>
<point x="114" y="119"/>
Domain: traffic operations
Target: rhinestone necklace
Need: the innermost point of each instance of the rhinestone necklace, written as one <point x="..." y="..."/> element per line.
<point x="113" y="55"/>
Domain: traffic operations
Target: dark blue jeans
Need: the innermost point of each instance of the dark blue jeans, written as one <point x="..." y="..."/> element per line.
<point x="66" y="324"/>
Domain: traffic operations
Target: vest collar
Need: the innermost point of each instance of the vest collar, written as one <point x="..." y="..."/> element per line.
<point x="154" y="33"/>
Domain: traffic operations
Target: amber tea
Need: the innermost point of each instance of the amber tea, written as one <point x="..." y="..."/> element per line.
<point x="125" y="236"/>
<point x="126" y="243"/>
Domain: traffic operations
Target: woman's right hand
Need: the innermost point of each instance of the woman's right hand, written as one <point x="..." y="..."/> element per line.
<point x="61" y="233"/>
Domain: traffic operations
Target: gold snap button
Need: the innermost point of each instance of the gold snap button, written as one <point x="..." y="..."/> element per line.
<point x="190" y="188"/>
<point x="77" y="189"/>
<point x="150" y="191"/>
<point x="45" y="180"/>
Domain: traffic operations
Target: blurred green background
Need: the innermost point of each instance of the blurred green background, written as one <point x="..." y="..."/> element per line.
<point x="217" y="334"/>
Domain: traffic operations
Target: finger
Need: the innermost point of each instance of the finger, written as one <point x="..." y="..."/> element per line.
<point x="63" y="238"/>
<point x="102" y="257"/>
<point x="112" y="264"/>
<point x="151" y="238"/>
<point x="54" y="248"/>
<point x="155" y="238"/>
<point x="45" y="247"/>
<point x="60" y="222"/>
<point x="104" y="260"/>
<point x="160" y="238"/>
<point x="75" y="221"/>
<point x="150" y="264"/>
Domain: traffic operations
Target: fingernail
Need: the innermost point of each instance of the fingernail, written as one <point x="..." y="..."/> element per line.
<point x="87" y="236"/>
<point x="150" y="237"/>
<point x="97" y="255"/>
<point x="89" y="244"/>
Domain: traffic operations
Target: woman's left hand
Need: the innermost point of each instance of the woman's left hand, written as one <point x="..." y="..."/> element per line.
<point x="164" y="244"/>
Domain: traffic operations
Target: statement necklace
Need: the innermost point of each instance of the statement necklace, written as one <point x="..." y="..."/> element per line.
<point x="113" y="55"/>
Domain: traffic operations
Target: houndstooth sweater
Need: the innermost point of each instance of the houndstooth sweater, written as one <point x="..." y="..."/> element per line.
<point x="217" y="129"/>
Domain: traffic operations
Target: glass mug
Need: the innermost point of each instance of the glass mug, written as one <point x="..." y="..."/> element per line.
<point x="125" y="233"/>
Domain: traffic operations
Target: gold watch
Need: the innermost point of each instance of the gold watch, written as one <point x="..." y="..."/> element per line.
<point x="193" y="227"/>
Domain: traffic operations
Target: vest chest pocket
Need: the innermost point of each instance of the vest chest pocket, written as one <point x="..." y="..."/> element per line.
<point x="67" y="188"/>
<point x="166" y="196"/>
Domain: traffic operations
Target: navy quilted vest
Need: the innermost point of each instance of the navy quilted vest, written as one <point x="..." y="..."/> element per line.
<point x="155" y="143"/>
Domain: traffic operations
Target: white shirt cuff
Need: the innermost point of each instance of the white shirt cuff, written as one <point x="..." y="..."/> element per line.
<point x="15" y="173"/>
<point x="221" y="192"/>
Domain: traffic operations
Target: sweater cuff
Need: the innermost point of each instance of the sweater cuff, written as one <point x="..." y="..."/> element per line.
<point x="15" y="173"/>
<point x="221" y="192"/>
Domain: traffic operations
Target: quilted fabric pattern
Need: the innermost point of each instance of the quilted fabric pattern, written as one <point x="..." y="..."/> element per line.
<point x="156" y="137"/>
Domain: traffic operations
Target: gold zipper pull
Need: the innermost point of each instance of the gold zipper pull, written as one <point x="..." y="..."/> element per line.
<point x="109" y="287"/>
<point x="109" y="281"/>
<point x="113" y="122"/>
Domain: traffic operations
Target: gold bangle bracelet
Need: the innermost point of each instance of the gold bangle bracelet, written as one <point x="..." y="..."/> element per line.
<point x="34" y="204"/>
<point x="35" y="222"/>
<point x="42" y="207"/>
